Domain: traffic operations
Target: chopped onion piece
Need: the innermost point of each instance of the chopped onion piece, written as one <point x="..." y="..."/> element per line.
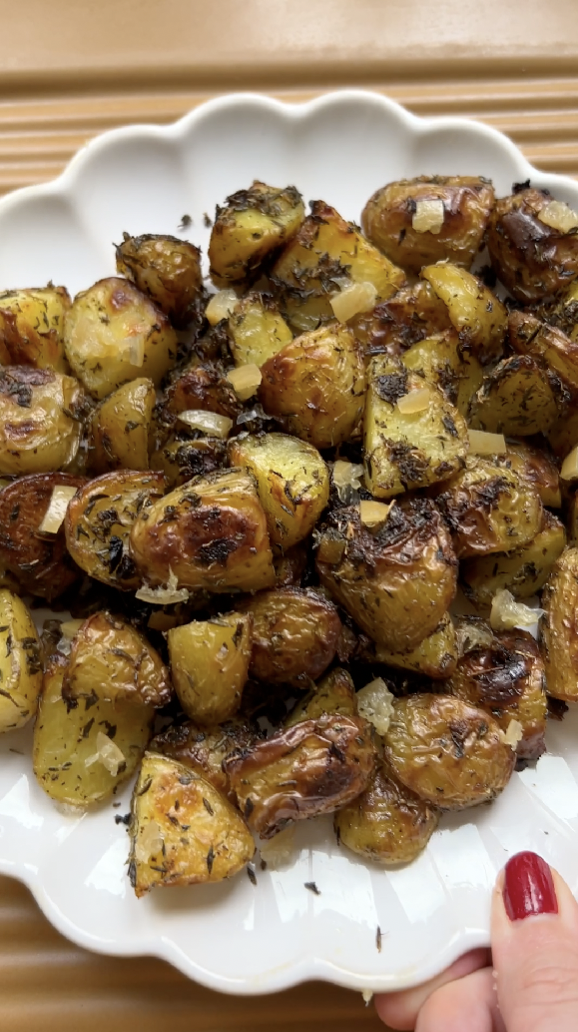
<point x="373" y="513"/>
<point x="367" y="996"/>
<point x="331" y="550"/>
<point x="355" y="298"/>
<point x="375" y="704"/>
<point x="220" y="306"/>
<point x="415" y="401"/>
<point x="164" y="596"/>
<point x="70" y="809"/>
<point x="56" y="511"/>
<point x="210" y="422"/>
<point x="280" y="850"/>
<point x="473" y="635"/>
<point x="483" y="443"/>
<point x="107" y="753"/>
<point x="245" y="380"/>
<point x="346" y="478"/>
<point x="149" y="843"/>
<point x="559" y="215"/>
<point x="136" y="351"/>
<point x="70" y="628"/>
<point x="569" y="469"/>
<point x="507" y="613"/>
<point x="428" y="216"/>
<point x="513" y="735"/>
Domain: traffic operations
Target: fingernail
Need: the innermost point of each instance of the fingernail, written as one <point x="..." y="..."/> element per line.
<point x="528" y="887"/>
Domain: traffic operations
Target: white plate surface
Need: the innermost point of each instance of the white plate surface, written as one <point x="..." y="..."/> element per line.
<point x="237" y="937"/>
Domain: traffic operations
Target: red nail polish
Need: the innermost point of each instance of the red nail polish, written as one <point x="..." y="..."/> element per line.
<point x="528" y="887"/>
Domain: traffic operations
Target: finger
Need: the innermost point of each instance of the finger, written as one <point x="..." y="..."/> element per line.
<point x="400" y="1010"/>
<point x="535" y="947"/>
<point x="470" y="1003"/>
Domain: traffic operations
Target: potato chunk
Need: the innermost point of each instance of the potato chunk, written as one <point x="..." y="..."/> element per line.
<point x="40" y="420"/>
<point x="334" y="694"/>
<point x="165" y="268"/>
<point x="414" y="313"/>
<point x="120" y="427"/>
<point x="517" y="398"/>
<point x="210" y="665"/>
<point x="20" y="663"/>
<point x="558" y="629"/>
<point x="302" y="771"/>
<point x="292" y="482"/>
<point x="210" y="533"/>
<point x="436" y="656"/>
<point x="32" y="327"/>
<point x="535" y="464"/>
<point x="529" y="336"/>
<point x="258" y="330"/>
<point x="181" y="459"/>
<point x="204" y="748"/>
<point x="447" y="752"/>
<point x="440" y="359"/>
<point x="479" y="317"/>
<point x="183" y="832"/>
<point x="202" y="387"/>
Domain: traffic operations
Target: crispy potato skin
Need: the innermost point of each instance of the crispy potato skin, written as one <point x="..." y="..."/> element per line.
<point x="257" y="329"/>
<point x="40" y="419"/>
<point x="517" y="398"/>
<point x="40" y="563"/>
<point x="447" y="752"/>
<point x="294" y="637"/>
<point x="20" y="663"/>
<point x="535" y="464"/>
<point x="414" y="313"/>
<point x="387" y="824"/>
<point x="204" y="748"/>
<point x="120" y="428"/>
<point x="398" y="582"/>
<point x="530" y="258"/>
<point x="479" y="317"/>
<point x="300" y="772"/>
<point x="168" y="270"/>
<point x="32" y="328"/>
<point x="181" y="459"/>
<point x="387" y="220"/>
<point x="436" y="656"/>
<point x="559" y="627"/>
<point x="202" y="387"/>
<point x="210" y="533"/>
<point x="440" y="359"/>
<point x="528" y="335"/>
<point x="210" y="665"/>
<point x="334" y="694"/>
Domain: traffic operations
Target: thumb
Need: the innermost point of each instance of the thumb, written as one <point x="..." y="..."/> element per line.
<point x="535" y="947"/>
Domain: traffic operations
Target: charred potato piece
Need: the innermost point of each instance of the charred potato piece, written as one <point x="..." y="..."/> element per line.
<point x="120" y="428"/>
<point x="202" y="387"/>
<point x="523" y="572"/>
<point x="257" y="329"/>
<point x="558" y="627"/>
<point x="40" y="419"/>
<point x="114" y="333"/>
<point x="447" y="752"/>
<point x="210" y="533"/>
<point x="531" y="258"/>
<point x="387" y="824"/>
<point x="480" y="319"/>
<point x="181" y="459"/>
<point x="99" y="519"/>
<point x="168" y="270"/>
<point x="204" y="748"/>
<point x="39" y="562"/>
<point x="507" y="679"/>
<point x="489" y="508"/>
<point x="315" y="386"/>
<point x="529" y="336"/>
<point x="416" y="222"/>
<point x="517" y="397"/>
<point x="32" y="327"/>
<point x="334" y="694"/>
<point x="20" y="663"/>
<point x="112" y="662"/>
<point x="414" y="313"/>
<point x="292" y="482"/>
<point x="82" y="753"/>
<point x="441" y="360"/>
<point x="327" y="255"/>
<point x="435" y="657"/>
<point x="408" y="442"/>
<point x="537" y="466"/>
<point x="210" y="665"/>
<point x="295" y="635"/>
<point x="183" y="832"/>
<point x="314" y="767"/>
<point x="565" y="314"/>
<point x="254" y="225"/>
<point x="398" y="581"/>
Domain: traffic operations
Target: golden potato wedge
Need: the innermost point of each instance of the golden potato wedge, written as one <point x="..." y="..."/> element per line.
<point x="257" y="329"/>
<point x="315" y="386"/>
<point x="210" y="533"/>
<point x="449" y="753"/>
<point x="440" y="359"/>
<point x="40" y="419"/>
<point x="302" y="771"/>
<point x="518" y="397"/>
<point x="202" y="387"/>
<point x="479" y="317"/>
<point x="210" y="665"/>
<point x="114" y="333"/>
<point x="436" y="656"/>
<point x="535" y="464"/>
<point x="334" y="694"/>
<point x="292" y="482"/>
<point x="181" y="459"/>
<point x="416" y="222"/>
<point x="558" y="628"/>
<point x="120" y="427"/>
<point x="528" y="335"/>
<point x="82" y="753"/>
<point x="99" y="519"/>
<point x="398" y="581"/>
<point x="204" y="748"/>
<point x="32" y="327"/>
<point x="409" y="442"/>
<point x="20" y="663"/>
<point x="168" y="270"/>
<point x="414" y="313"/>
<point x="182" y="830"/>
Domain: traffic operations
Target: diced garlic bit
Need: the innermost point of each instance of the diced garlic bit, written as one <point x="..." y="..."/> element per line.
<point x="472" y="636"/>
<point x="372" y="513"/>
<point x="483" y="443"/>
<point x="245" y="380"/>
<point x="149" y="842"/>
<point x="428" y="216"/>
<point x="569" y="469"/>
<point x="280" y="850"/>
<point x="513" y="735"/>
<point x="210" y="422"/>
<point x="220" y="306"/>
<point x="415" y="401"/>
<point x="375" y="704"/>
<point x="70" y="628"/>
<point x="506" y="613"/>
<point x="56" y="511"/>
<point x="346" y="477"/>
<point x="107" y="753"/>
<point x="136" y="351"/>
<point x="164" y="596"/>
<point x="355" y="298"/>
<point x="559" y="215"/>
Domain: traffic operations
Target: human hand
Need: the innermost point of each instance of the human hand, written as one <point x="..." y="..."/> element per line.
<point x="529" y="982"/>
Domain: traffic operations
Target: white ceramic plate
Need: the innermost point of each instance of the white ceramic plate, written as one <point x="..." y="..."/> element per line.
<point x="235" y="936"/>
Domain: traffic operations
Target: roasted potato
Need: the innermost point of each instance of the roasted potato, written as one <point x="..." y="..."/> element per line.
<point x="210" y="533"/>
<point x="387" y="824"/>
<point x="32" y="328"/>
<point x="40" y="419"/>
<point x="292" y="482"/>
<point x="20" y="663"/>
<point x="440" y="359"/>
<point x="480" y="319"/>
<point x="535" y="464"/>
<point x="398" y="581"/>
<point x="414" y="313"/>
<point x="202" y="387"/>
<point x="210" y="665"/>
<point x="547" y="344"/>
<point x="558" y="629"/>
<point x="435" y="657"/>
<point x="447" y="752"/>
<point x="315" y="386"/>
<point x="518" y="397"/>
<point x="416" y="222"/>
<point x="314" y="767"/>
<point x="204" y="748"/>
<point x="99" y="519"/>
<point x="257" y="329"/>
<point x="120" y="428"/>
<point x="168" y="270"/>
<point x="182" y="830"/>
<point x="565" y="314"/>
<point x="334" y="694"/>
<point x="114" y="333"/>
<point x="181" y="459"/>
